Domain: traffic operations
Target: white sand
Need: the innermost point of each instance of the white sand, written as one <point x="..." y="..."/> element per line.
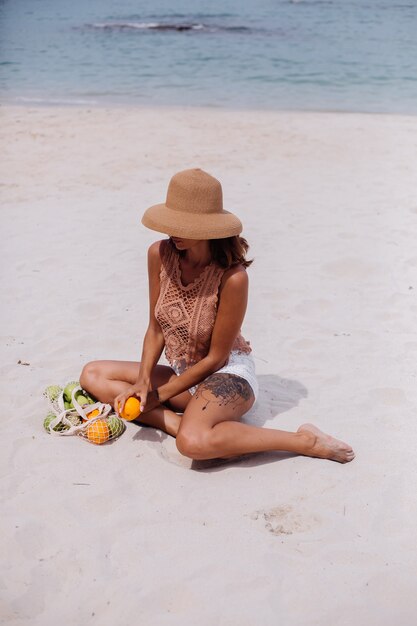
<point x="133" y="533"/>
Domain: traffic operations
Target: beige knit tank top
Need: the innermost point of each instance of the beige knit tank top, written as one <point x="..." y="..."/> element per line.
<point x="187" y="314"/>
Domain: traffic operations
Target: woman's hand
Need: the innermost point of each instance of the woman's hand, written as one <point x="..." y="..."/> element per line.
<point x="151" y="402"/>
<point x="138" y="390"/>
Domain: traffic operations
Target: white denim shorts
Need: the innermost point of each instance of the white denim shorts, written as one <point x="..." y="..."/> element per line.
<point x="239" y="364"/>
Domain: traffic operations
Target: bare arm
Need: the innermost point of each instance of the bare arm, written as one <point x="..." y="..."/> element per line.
<point x="153" y="342"/>
<point x="229" y="319"/>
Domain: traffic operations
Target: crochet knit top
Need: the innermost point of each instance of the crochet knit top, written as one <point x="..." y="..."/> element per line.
<point x="187" y="314"/>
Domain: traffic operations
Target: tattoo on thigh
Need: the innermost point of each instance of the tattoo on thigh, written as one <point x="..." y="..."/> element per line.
<point x="226" y="388"/>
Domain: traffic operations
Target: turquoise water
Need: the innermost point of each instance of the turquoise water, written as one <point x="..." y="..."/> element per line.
<point x="355" y="55"/>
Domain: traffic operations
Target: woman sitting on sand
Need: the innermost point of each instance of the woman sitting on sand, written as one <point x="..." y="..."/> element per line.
<point x="198" y="289"/>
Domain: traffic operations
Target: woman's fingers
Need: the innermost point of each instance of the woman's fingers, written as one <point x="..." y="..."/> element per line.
<point x="141" y="393"/>
<point x="143" y="397"/>
<point x="152" y="401"/>
<point x="119" y="402"/>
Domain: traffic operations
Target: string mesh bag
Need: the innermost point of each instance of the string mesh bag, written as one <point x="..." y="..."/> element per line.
<point x="74" y="412"/>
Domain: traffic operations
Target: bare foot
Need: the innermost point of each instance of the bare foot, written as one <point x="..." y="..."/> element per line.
<point x="327" y="447"/>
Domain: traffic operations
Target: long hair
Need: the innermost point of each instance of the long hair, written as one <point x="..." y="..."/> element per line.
<point x="230" y="251"/>
<point x="226" y="252"/>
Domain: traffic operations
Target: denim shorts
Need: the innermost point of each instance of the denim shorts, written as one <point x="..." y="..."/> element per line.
<point x="239" y="364"/>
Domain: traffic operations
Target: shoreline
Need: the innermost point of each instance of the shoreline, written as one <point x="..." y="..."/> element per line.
<point x="187" y="107"/>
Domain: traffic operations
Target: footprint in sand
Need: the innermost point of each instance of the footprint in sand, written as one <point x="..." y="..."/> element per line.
<point x="168" y="451"/>
<point x="302" y="345"/>
<point x="163" y="445"/>
<point x="309" y="307"/>
<point x="350" y="269"/>
<point x="412" y="261"/>
<point x="284" y="520"/>
<point x="391" y="396"/>
<point x="346" y="235"/>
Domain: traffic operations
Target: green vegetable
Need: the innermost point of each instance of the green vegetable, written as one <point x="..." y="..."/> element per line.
<point x="52" y="392"/>
<point x="116" y="426"/>
<point x="81" y="399"/>
<point x="68" y="390"/>
<point x="58" y="428"/>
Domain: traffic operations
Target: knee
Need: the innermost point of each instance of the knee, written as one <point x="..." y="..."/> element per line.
<point x="193" y="444"/>
<point x="90" y="373"/>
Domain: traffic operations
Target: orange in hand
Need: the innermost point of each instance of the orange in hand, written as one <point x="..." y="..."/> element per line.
<point x="131" y="409"/>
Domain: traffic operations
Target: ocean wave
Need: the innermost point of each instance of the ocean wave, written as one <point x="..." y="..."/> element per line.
<point x="166" y="26"/>
<point x="52" y="100"/>
<point x="174" y="17"/>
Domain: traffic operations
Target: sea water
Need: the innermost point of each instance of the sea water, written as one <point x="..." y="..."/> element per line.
<point x="354" y="55"/>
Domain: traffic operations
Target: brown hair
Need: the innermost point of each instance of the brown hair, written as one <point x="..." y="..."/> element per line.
<point x="226" y="252"/>
<point x="230" y="251"/>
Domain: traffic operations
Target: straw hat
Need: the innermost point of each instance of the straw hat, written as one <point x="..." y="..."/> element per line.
<point x="193" y="209"/>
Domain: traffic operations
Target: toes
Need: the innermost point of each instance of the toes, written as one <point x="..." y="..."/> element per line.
<point x="345" y="454"/>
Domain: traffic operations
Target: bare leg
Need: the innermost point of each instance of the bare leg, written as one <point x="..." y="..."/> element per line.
<point x="106" y="379"/>
<point x="233" y="439"/>
<point x="210" y="427"/>
<point x="162" y="418"/>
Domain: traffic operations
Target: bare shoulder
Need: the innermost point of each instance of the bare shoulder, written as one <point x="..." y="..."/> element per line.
<point x="235" y="279"/>
<point x="154" y="256"/>
<point x="154" y="250"/>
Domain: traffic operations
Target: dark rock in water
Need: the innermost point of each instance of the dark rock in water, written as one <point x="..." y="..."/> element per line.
<point x="146" y="26"/>
<point x="167" y="26"/>
<point x="178" y="27"/>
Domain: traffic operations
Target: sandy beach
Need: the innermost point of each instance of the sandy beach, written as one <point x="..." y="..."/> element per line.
<point x="132" y="532"/>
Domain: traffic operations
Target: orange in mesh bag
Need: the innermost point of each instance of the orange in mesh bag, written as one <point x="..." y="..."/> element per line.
<point x="93" y="422"/>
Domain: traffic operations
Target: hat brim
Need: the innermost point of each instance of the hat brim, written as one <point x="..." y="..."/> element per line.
<point x="191" y="226"/>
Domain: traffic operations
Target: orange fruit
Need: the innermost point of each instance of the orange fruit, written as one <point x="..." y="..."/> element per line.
<point x="131" y="409"/>
<point x="98" y="432"/>
<point x="93" y="414"/>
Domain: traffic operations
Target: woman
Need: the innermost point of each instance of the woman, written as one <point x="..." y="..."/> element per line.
<point x="198" y="289"/>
